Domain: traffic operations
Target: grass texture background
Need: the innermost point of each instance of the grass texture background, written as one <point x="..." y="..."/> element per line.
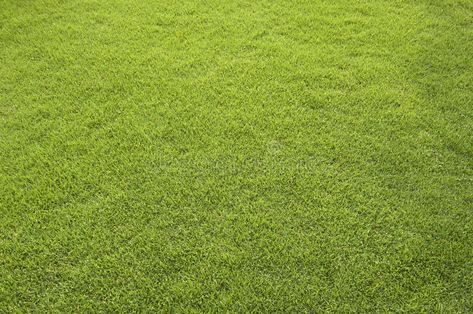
<point x="236" y="156"/>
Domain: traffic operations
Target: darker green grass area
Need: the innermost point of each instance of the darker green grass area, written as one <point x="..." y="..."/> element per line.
<point x="236" y="156"/>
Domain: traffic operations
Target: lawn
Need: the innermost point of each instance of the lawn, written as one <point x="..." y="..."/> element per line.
<point x="236" y="156"/>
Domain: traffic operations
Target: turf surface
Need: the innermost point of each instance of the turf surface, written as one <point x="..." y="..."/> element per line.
<point x="266" y="156"/>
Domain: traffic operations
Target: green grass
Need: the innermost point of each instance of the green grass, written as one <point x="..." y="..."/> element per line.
<point x="236" y="156"/>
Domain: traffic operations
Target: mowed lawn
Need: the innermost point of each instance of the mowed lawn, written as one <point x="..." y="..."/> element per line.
<point x="236" y="156"/>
